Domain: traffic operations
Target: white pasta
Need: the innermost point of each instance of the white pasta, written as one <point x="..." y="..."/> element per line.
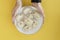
<point x="19" y="17"/>
<point x="31" y="16"/>
<point x="36" y="15"/>
<point x="27" y="11"/>
<point x="28" y="20"/>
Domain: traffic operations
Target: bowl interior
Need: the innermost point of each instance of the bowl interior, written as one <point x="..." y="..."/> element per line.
<point x="40" y="21"/>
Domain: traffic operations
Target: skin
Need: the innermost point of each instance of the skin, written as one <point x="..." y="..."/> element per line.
<point x="37" y="5"/>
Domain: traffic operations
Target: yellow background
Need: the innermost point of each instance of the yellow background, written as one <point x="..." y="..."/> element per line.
<point x="49" y="31"/>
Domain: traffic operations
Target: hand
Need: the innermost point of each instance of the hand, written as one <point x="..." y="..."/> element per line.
<point x="13" y="12"/>
<point x="17" y="5"/>
<point x="40" y="9"/>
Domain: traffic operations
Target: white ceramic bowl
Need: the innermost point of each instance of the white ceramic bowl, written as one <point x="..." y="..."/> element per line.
<point x="40" y="21"/>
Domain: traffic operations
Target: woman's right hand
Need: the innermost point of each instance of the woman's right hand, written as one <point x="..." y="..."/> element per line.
<point x="40" y="9"/>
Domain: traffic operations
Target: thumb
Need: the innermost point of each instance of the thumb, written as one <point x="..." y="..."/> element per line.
<point x="19" y="2"/>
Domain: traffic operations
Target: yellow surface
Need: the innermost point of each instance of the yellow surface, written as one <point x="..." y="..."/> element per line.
<point x="49" y="31"/>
